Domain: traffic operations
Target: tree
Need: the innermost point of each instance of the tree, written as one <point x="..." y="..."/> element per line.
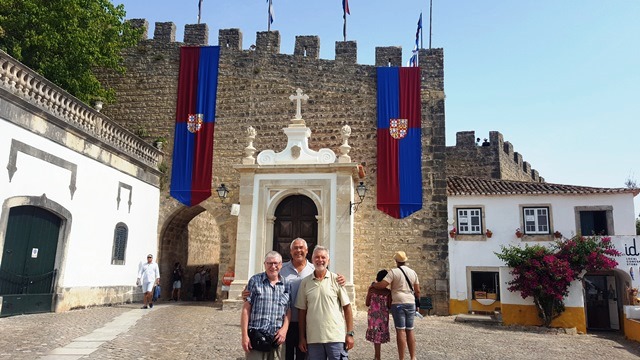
<point x="638" y="226"/>
<point x="545" y="273"/>
<point x="65" y="40"/>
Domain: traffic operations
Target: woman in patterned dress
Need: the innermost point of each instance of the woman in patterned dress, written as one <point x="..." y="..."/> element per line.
<point x="379" y="303"/>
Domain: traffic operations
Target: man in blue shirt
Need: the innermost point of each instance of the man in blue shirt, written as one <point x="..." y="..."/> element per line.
<point x="293" y="272"/>
<point x="267" y="307"/>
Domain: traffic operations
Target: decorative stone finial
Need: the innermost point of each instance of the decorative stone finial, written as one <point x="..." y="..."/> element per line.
<point x="249" y="159"/>
<point x="345" y="148"/>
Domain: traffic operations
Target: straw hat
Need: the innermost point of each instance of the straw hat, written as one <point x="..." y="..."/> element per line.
<point x="400" y="256"/>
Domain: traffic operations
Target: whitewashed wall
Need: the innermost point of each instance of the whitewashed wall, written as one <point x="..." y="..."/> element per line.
<point x="502" y="216"/>
<point x="93" y="208"/>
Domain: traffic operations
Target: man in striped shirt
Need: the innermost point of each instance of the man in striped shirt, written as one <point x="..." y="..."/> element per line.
<point x="267" y="307"/>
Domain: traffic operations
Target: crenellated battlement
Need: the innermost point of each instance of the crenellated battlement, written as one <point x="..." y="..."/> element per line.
<point x="493" y="157"/>
<point x="268" y="42"/>
<point x="254" y="85"/>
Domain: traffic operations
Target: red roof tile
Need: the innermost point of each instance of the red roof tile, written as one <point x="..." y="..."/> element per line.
<point x="462" y="185"/>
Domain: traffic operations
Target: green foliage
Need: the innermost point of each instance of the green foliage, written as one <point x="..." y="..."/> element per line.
<point x="545" y="273"/>
<point x="637" y="226"/>
<point x="65" y="40"/>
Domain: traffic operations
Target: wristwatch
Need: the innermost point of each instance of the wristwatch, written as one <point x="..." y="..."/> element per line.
<point x="351" y="333"/>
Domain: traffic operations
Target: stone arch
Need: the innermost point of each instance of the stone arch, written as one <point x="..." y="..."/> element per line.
<point x="194" y="236"/>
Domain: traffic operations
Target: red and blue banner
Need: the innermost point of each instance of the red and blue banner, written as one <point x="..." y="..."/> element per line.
<point x="195" y="120"/>
<point x="399" y="141"/>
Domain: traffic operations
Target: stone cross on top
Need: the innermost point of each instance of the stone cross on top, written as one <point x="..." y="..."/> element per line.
<point x="298" y="98"/>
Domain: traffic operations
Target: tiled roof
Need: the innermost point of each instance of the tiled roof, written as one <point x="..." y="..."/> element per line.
<point x="461" y="185"/>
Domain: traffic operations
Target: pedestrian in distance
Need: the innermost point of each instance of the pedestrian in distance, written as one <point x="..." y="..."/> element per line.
<point x="148" y="276"/>
<point x="266" y="312"/>
<point x="176" y="279"/>
<point x="197" y="288"/>
<point x="379" y="303"/>
<point x="325" y="319"/>
<point x="403" y="306"/>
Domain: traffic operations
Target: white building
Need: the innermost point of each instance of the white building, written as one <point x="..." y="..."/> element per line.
<point x="478" y="280"/>
<point x="79" y="200"/>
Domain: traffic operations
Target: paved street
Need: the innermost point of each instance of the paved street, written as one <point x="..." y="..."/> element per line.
<point x="190" y="330"/>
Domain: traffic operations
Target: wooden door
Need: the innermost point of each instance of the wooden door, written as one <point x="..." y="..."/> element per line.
<point x="295" y="217"/>
<point x="27" y="271"/>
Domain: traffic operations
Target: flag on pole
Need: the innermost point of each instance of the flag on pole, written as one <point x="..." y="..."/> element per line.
<point x="399" y="141"/>
<point x="345" y="7"/>
<point x="345" y="11"/>
<point x="270" y="11"/>
<point x="195" y="120"/>
<point x="419" y="28"/>
<point x="413" y="61"/>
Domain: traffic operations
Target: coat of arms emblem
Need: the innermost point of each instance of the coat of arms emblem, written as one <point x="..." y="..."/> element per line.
<point x="194" y="122"/>
<point x="398" y="128"/>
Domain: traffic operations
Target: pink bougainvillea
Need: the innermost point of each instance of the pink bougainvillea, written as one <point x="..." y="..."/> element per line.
<point x="545" y="273"/>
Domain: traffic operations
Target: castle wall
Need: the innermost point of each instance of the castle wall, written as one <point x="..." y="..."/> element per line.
<point x="253" y="90"/>
<point x="493" y="158"/>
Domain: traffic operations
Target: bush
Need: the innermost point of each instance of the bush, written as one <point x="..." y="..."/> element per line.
<point x="545" y="273"/>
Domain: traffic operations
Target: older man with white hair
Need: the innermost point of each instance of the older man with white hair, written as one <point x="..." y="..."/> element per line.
<point x="325" y="316"/>
<point x="266" y="313"/>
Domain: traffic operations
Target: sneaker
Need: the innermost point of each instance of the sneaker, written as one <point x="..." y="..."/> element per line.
<point x="151" y="305"/>
<point x="144" y="307"/>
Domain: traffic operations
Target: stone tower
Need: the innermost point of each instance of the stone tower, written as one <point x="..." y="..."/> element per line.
<point x="253" y="90"/>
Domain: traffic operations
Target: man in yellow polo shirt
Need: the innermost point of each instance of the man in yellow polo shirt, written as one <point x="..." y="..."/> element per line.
<point x="321" y="302"/>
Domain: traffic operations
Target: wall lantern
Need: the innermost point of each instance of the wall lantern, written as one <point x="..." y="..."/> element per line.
<point x="361" y="190"/>
<point x="222" y="192"/>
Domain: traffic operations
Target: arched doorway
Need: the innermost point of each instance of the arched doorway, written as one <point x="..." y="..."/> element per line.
<point x="296" y="216"/>
<point x="604" y="298"/>
<point x="27" y="271"/>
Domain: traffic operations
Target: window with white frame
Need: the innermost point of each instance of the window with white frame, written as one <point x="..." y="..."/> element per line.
<point x="470" y="221"/>
<point x="536" y="220"/>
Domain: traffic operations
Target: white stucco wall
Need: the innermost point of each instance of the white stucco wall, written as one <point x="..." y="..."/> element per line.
<point x="502" y="216"/>
<point x="93" y="208"/>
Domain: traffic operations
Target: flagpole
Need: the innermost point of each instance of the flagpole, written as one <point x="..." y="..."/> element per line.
<point x="269" y="17"/>
<point x="199" y="10"/>
<point x="344" y="26"/>
<point x="430" y="20"/>
<point x="421" y="46"/>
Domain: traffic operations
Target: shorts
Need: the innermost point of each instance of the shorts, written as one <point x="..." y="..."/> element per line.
<point x="403" y="315"/>
<point x="177" y="284"/>
<point x="147" y="286"/>
<point x="322" y="351"/>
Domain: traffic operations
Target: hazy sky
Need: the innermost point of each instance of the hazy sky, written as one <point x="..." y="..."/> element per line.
<point x="560" y="79"/>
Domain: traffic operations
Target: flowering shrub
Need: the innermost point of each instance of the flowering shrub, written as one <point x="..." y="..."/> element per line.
<point x="545" y="273"/>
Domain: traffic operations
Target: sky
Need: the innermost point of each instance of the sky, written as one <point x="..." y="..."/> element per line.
<point x="559" y="79"/>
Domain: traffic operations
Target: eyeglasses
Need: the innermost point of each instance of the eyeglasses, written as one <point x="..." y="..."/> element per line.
<point x="272" y="264"/>
<point x="149" y="257"/>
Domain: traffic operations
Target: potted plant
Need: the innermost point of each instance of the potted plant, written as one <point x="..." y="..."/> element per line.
<point x="489" y="233"/>
<point x="453" y="232"/>
<point x="519" y="233"/>
<point x="557" y="234"/>
<point x="159" y="142"/>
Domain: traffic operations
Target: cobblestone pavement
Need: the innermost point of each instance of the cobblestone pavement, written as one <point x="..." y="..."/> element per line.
<point x="203" y="331"/>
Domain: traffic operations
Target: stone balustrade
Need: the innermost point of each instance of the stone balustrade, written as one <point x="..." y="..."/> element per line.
<point x="28" y="85"/>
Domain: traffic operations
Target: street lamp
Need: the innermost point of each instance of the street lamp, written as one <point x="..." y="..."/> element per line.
<point x="361" y="190"/>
